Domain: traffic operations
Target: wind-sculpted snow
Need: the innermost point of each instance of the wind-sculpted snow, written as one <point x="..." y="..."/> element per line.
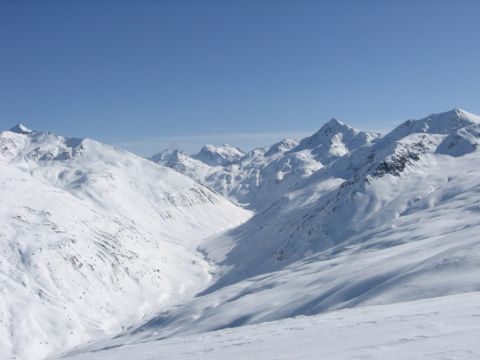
<point x="93" y="238"/>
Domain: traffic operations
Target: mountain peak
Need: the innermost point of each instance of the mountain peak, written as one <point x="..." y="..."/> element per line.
<point x="334" y="122"/>
<point x="21" y="129"/>
<point x="442" y="123"/>
<point x="282" y="146"/>
<point x="219" y="155"/>
<point x="455" y="113"/>
<point x="167" y="155"/>
<point x="465" y="114"/>
<point x="334" y="126"/>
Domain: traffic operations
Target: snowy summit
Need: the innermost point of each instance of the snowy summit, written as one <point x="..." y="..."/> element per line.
<point x="21" y="129"/>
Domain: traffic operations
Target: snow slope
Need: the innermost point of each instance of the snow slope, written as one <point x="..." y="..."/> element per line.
<point x="439" y="328"/>
<point x="93" y="238"/>
<point x="260" y="177"/>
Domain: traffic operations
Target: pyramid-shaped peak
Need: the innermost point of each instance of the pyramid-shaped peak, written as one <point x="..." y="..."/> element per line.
<point x="334" y="126"/>
<point x="21" y="129"/>
<point x="334" y="122"/>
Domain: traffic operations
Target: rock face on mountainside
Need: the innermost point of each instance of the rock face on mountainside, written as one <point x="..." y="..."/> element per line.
<point x="92" y="238"/>
<point x="264" y="175"/>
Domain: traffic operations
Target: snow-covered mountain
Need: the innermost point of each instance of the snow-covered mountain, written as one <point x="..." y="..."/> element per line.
<point x="334" y="140"/>
<point x="93" y="238"/>
<point x="260" y="177"/>
<point x="394" y="220"/>
<point x="343" y="219"/>
<point x="219" y="156"/>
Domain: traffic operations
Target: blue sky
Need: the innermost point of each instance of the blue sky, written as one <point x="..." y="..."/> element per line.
<point x="150" y="74"/>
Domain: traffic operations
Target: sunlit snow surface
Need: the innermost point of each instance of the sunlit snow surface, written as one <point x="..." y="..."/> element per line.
<point x="438" y="328"/>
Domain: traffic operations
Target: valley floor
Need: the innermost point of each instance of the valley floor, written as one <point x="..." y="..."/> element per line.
<point x="438" y="328"/>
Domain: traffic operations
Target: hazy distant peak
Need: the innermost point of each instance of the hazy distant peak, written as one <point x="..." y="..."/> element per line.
<point x="167" y="155"/>
<point x="219" y="155"/>
<point x="282" y="146"/>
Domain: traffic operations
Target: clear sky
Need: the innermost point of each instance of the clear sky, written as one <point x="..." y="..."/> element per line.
<point x="150" y="74"/>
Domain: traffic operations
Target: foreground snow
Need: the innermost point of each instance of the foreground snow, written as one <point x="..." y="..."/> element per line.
<point x="438" y="328"/>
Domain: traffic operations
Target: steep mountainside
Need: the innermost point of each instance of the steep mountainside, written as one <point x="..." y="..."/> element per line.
<point x="93" y="238"/>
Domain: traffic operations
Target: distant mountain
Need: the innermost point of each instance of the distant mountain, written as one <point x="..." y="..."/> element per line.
<point x="93" y="238"/>
<point x="260" y="177"/>
<point x="21" y="129"/>
<point x="219" y="156"/>
<point x="334" y="140"/>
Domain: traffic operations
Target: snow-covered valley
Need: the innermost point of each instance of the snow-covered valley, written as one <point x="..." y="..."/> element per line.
<point x="121" y="257"/>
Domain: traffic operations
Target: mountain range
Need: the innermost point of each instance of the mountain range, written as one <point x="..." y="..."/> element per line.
<point x="102" y="246"/>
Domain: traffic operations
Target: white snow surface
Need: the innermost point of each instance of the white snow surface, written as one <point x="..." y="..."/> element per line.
<point x="439" y="328"/>
<point x="93" y="238"/>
